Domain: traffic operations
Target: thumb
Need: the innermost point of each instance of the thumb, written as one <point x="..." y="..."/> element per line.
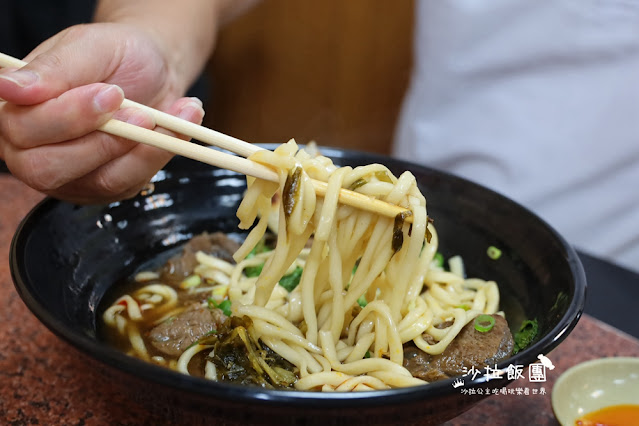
<point x="72" y="59"/>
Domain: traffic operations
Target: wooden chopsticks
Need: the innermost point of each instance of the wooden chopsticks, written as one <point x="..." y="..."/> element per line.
<point x="214" y="157"/>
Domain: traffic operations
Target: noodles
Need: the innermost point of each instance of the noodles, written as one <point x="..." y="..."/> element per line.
<point x="368" y="285"/>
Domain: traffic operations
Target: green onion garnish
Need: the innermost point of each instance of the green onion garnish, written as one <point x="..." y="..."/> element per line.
<point x="260" y="247"/>
<point x="493" y="252"/>
<point x="526" y="334"/>
<point x="290" y="281"/>
<point x="192" y="281"/>
<point x="224" y="306"/>
<point x="362" y="301"/>
<point x="484" y="323"/>
<point x="253" y="271"/>
<point x="439" y="259"/>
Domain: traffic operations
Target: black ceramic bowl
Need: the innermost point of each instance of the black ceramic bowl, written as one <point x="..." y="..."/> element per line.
<point x="65" y="258"/>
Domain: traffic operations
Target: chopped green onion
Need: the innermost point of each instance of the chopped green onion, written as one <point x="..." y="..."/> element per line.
<point x="224" y="306"/>
<point x="439" y="259"/>
<point x="493" y="252"/>
<point x="290" y="281"/>
<point x="260" y="247"/>
<point x="484" y="323"/>
<point x="526" y="334"/>
<point x="362" y="301"/>
<point x="192" y="281"/>
<point x="367" y="354"/>
<point x="219" y="292"/>
<point x="253" y="271"/>
<point x="464" y="307"/>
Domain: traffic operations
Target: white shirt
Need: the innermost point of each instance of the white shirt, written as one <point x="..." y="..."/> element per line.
<point x="538" y="100"/>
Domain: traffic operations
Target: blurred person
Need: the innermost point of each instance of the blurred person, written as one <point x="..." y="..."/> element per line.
<point x="538" y="101"/>
<point x="534" y="100"/>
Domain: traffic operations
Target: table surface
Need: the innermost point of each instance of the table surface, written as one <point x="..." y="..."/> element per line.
<point x="44" y="381"/>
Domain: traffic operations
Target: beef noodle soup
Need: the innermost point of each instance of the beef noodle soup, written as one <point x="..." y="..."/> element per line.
<point x="319" y="296"/>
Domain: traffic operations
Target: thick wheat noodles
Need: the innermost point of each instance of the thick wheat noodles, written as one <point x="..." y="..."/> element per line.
<point x="321" y="327"/>
<point x="340" y="346"/>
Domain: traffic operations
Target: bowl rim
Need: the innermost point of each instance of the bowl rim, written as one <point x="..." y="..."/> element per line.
<point x="319" y="400"/>
<point x="583" y="368"/>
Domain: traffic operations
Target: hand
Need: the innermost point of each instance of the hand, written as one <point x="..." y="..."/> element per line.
<point x="68" y="89"/>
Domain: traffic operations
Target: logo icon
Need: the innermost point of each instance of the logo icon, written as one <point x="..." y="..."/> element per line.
<point x="457" y="383"/>
<point x="546" y="362"/>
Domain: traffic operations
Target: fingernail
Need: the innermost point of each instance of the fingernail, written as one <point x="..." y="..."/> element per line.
<point x="197" y="101"/>
<point x="22" y="78"/>
<point x="191" y="108"/>
<point x="108" y="99"/>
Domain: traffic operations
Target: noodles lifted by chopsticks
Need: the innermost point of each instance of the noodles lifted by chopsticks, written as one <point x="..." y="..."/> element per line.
<point x="335" y="342"/>
<point x="369" y="285"/>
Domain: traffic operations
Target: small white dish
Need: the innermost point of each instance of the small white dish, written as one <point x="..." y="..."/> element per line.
<point x="593" y="385"/>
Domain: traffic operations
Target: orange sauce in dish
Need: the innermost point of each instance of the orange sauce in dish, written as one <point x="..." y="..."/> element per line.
<point x="614" y="415"/>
